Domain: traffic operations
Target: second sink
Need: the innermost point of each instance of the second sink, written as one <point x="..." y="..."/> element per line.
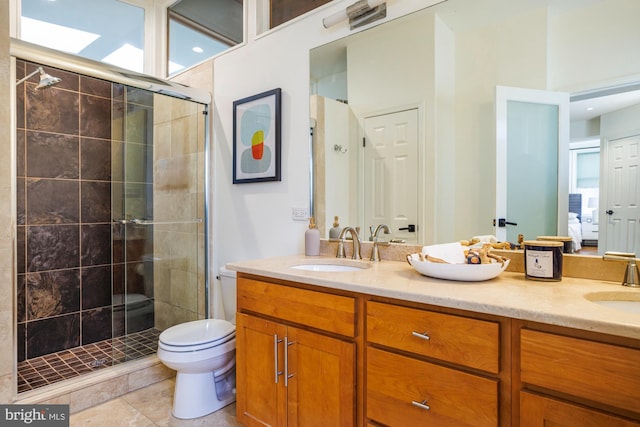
<point x="622" y="301"/>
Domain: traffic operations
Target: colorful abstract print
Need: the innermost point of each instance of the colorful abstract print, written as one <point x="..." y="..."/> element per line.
<point x="255" y="128"/>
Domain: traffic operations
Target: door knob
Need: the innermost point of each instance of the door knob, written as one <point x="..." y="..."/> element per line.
<point x="609" y="212"/>
<point x="411" y="228"/>
<point x="502" y="222"/>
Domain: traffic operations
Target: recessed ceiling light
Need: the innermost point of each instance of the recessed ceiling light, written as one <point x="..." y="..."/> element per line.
<point x="589" y="108"/>
<point x="197" y="49"/>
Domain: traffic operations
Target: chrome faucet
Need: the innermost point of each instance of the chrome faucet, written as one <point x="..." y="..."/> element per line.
<point x="375" y="252"/>
<point x="356" y="243"/>
<point x="632" y="273"/>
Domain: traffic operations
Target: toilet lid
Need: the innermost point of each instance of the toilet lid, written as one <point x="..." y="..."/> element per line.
<point x="197" y="332"/>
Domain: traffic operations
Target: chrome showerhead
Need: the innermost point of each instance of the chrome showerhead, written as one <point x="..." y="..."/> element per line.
<point x="46" y="80"/>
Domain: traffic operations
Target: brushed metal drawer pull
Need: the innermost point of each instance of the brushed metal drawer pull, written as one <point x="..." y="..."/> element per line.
<point x="422" y="404"/>
<point x="287" y="375"/>
<point x="276" y="341"/>
<point x="424" y="335"/>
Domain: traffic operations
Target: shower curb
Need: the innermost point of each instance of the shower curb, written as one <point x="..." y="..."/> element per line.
<point x="101" y="386"/>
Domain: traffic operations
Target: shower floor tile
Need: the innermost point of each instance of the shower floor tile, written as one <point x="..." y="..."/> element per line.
<point x="70" y="363"/>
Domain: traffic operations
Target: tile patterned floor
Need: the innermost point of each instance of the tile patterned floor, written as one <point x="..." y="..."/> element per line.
<point x="55" y="367"/>
<point x="148" y="407"/>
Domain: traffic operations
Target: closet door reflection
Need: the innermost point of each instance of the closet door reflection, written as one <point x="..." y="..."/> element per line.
<point x="390" y="166"/>
<point x="531" y="158"/>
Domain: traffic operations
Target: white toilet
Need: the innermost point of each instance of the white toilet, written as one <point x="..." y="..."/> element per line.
<point x="203" y="353"/>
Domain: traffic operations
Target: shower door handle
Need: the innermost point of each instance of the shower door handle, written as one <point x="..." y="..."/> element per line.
<point x="152" y="222"/>
<point x="137" y="221"/>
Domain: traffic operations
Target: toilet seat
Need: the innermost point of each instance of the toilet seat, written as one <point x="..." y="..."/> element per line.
<point x="197" y="335"/>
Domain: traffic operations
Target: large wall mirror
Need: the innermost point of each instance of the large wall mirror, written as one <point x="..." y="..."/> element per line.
<point x="404" y="120"/>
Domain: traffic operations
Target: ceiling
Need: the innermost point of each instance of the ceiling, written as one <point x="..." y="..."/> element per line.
<point x="596" y="104"/>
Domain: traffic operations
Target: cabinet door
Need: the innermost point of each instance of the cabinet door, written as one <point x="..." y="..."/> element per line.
<point x="321" y="380"/>
<point x="539" y="411"/>
<point x="261" y="396"/>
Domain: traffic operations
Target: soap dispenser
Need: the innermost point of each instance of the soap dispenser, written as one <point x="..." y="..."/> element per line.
<point x="334" y="232"/>
<point x="312" y="240"/>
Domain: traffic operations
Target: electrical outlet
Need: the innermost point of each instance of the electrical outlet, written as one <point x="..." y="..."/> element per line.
<point x="300" y="214"/>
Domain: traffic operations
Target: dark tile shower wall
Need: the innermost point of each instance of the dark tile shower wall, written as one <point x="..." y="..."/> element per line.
<point x="71" y="257"/>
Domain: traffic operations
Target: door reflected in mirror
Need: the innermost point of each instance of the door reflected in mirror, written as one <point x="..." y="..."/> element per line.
<point x="445" y="62"/>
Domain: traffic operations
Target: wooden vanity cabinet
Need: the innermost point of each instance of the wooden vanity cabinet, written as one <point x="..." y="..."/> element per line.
<point x="432" y="368"/>
<point x="296" y="356"/>
<point x="310" y="356"/>
<point x="576" y="379"/>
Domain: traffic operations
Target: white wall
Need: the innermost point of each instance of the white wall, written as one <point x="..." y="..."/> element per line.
<point x="570" y="51"/>
<point x="621" y="123"/>
<point x="511" y="53"/>
<point x="334" y="86"/>
<point x="595" y="45"/>
<point x="254" y="220"/>
<point x="540" y="49"/>
<point x="392" y="71"/>
<point x="337" y="164"/>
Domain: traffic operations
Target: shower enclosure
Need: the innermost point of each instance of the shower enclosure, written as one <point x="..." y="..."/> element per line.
<point x="111" y="219"/>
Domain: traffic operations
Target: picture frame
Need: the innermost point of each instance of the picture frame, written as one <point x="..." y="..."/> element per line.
<point x="256" y="138"/>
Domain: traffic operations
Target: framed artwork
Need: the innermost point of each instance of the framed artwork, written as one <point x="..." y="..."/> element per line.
<point x="256" y="138"/>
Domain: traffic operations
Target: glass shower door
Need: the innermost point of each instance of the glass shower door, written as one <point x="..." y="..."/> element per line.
<point x="159" y="260"/>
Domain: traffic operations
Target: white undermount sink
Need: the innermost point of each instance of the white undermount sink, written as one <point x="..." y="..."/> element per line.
<point x="622" y="301"/>
<point x="329" y="267"/>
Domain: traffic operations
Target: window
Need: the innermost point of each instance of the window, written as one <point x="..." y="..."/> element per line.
<point x="588" y="169"/>
<point x="285" y="10"/>
<point x="584" y="172"/>
<point x="200" y="29"/>
<point x="109" y="31"/>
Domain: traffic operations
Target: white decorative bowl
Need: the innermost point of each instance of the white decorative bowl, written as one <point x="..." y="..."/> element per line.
<point x="459" y="272"/>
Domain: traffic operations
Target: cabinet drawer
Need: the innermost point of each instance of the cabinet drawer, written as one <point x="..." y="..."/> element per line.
<point x="604" y="373"/>
<point x="332" y="313"/>
<point x="448" y="397"/>
<point x="469" y="342"/>
<point x="540" y="411"/>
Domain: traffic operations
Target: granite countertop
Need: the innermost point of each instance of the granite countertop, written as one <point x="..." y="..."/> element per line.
<point x="561" y="303"/>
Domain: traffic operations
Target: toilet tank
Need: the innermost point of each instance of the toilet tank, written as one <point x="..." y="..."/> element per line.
<point x="228" y="290"/>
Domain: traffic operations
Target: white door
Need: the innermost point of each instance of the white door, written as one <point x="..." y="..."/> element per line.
<point x="532" y="163"/>
<point x="620" y="214"/>
<point x="391" y="174"/>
